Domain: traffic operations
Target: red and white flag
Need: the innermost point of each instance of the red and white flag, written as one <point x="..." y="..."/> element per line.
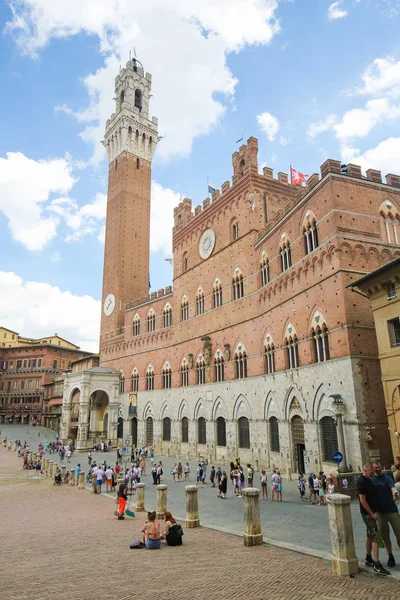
<point x="297" y="177"/>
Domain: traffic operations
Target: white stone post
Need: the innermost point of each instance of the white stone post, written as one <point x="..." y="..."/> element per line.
<point x="81" y="481"/>
<point x="55" y="467"/>
<point x="192" y="506"/>
<point x="139" y="506"/>
<point x="161" y="501"/>
<point x="344" y="560"/>
<point x="63" y="469"/>
<point x="72" y="477"/>
<point x="15" y="446"/>
<point x="94" y="484"/>
<point x="252" y="535"/>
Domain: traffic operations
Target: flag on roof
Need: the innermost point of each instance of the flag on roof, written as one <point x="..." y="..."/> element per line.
<point x="211" y="188"/>
<point x="297" y="177"/>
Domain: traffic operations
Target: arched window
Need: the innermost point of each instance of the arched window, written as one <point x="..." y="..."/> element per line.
<point x="244" y="432"/>
<point x="329" y="439"/>
<point x="286" y="256"/>
<point x="321" y="344"/>
<point x="138" y="99"/>
<point x="201" y="431"/>
<point x="185" y="309"/>
<point x="167" y="316"/>
<point x="185" y="430"/>
<point x="184" y="374"/>
<point x="150" y="379"/>
<point x="235" y="230"/>
<point x="185" y="262"/>
<point x="237" y="285"/>
<point x="391" y="221"/>
<point x="310" y="232"/>
<point x="221" y="431"/>
<point x="274" y="444"/>
<point x="149" y="431"/>
<point x="270" y="358"/>
<point x="138" y="163"/>
<point x="151" y="321"/>
<point x="219" y="368"/>
<point x="241" y="365"/>
<point x="135" y="381"/>
<point x="201" y="371"/>
<point x="121" y="384"/>
<point x="129" y="131"/>
<point x="200" y="302"/>
<point x="241" y="167"/>
<point x="264" y="268"/>
<point x="167" y="377"/>
<point x="166" y="429"/>
<point x="217" y="294"/>
<point x="292" y="352"/>
<point x="136" y="325"/>
<point x="122" y="96"/>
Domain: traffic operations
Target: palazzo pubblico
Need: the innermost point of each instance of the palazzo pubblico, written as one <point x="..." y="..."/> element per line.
<point x="259" y="350"/>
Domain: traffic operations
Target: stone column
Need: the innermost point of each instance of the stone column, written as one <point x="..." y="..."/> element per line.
<point x="30" y="456"/>
<point x="342" y="447"/>
<point x="55" y="467"/>
<point x="94" y="484"/>
<point x="72" y="477"/>
<point x="63" y="469"/>
<point x="15" y="446"/>
<point x="192" y="506"/>
<point x="81" y="481"/>
<point x="161" y="501"/>
<point x="252" y="535"/>
<point x="44" y="466"/>
<point x="65" y="419"/>
<point x="139" y="506"/>
<point x="344" y="560"/>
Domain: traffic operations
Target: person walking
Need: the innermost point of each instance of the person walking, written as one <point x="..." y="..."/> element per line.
<point x="368" y="497"/>
<point x="122" y="498"/>
<point x="316" y="488"/>
<point x="301" y="484"/>
<point x="311" y="497"/>
<point x="99" y="478"/>
<point x="223" y="486"/>
<point x="264" y="489"/>
<point x="280" y="487"/>
<point x="204" y="468"/>
<point x="250" y="475"/>
<point x="90" y="457"/>
<point x="387" y="510"/>
<point x="109" y="475"/>
<point x="187" y="471"/>
<point x="212" y="476"/>
<point x="154" y="473"/>
<point x="274" y="482"/>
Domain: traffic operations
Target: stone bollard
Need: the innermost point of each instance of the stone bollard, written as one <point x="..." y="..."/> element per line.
<point x="1" y="440"/>
<point x="55" y="467"/>
<point x="161" y="501"/>
<point x="72" y="477"/>
<point x="49" y="468"/>
<point x="94" y="484"/>
<point x="63" y="469"/>
<point x="252" y="535"/>
<point x="15" y="446"/>
<point x="192" y="506"/>
<point x="139" y="506"/>
<point x="9" y="445"/>
<point x="81" y="481"/>
<point x="44" y="466"/>
<point x="344" y="560"/>
<point x="30" y="456"/>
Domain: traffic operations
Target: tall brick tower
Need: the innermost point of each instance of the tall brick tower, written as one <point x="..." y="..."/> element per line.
<point x="130" y="140"/>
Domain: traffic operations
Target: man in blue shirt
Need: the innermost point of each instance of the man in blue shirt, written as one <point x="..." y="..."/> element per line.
<point x="386" y="509"/>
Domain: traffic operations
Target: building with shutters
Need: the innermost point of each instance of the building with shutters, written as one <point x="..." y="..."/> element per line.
<point x="258" y="350"/>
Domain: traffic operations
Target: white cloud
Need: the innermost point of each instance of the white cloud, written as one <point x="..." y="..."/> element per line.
<point x="83" y="221"/>
<point x="385" y="156"/>
<point x="327" y="124"/>
<point x="189" y="67"/>
<point x="360" y="121"/>
<point x="268" y="124"/>
<point x="25" y="186"/>
<point x="382" y="77"/>
<point x="39" y="309"/>
<point x="335" y="11"/>
<point x="163" y="201"/>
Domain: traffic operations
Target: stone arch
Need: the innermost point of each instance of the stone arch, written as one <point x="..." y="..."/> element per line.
<point x="76" y="387"/>
<point x="292" y="408"/>
<point x="322" y="404"/>
<point x="200" y="409"/>
<point x="219" y="409"/>
<point x="241" y="408"/>
<point x="165" y="411"/>
<point x="183" y="410"/>
<point x="272" y="407"/>
<point x="148" y="411"/>
<point x="316" y="319"/>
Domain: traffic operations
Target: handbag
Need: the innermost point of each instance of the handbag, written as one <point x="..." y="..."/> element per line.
<point x="136" y="544"/>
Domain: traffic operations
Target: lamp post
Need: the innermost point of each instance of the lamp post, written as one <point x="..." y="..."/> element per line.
<point x="339" y="408"/>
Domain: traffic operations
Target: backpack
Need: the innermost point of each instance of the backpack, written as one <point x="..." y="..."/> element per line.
<point x="242" y="476"/>
<point x="174" y="536"/>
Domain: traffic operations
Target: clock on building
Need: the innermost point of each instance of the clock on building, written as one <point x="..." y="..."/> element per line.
<point x="207" y="243"/>
<point x="109" y="305"/>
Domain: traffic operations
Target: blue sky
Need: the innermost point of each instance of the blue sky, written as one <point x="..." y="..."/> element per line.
<point x="309" y="78"/>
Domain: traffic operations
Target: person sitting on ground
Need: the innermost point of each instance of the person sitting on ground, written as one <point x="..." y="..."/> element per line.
<point x="151" y="532"/>
<point x="173" y="531"/>
<point x="66" y="477"/>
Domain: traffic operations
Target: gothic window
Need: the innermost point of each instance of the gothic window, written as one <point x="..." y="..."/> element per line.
<point x="240" y="365"/>
<point x="391" y="221"/>
<point x="121" y="384"/>
<point x="286" y="256"/>
<point x="244" y="432"/>
<point x="329" y="439"/>
<point x="151" y="322"/>
<point x="219" y="369"/>
<point x="200" y="302"/>
<point x="122" y="96"/>
<point x="217" y="294"/>
<point x="241" y="167"/>
<point x="201" y="371"/>
<point x="264" y="268"/>
<point x="150" y="379"/>
<point x="321" y="344"/>
<point x="185" y="430"/>
<point x="135" y="381"/>
<point x="201" y="431"/>
<point x="221" y="431"/>
<point x="184" y="375"/>
<point x="269" y="359"/>
<point x="185" y="309"/>
<point x="166" y="429"/>
<point x="129" y="130"/>
<point x="237" y="286"/>
<point x="167" y="377"/>
<point x="167" y="316"/>
<point x="138" y="99"/>
<point x="136" y="325"/>
<point x="274" y="444"/>
<point x="310" y="232"/>
<point x="185" y="263"/>
<point x="149" y="432"/>
<point x="138" y="163"/>
<point x="292" y="352"/>
<point x="235" y="230"/>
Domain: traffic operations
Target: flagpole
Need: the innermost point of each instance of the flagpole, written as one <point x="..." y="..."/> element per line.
<point x="291" y="183"/>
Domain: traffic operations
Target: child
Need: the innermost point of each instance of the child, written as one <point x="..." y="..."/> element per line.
<point x="187" y="471"/>
<point x="302" y="487"/>
<point x="212" y="476"/>
<point x="263" y="480"/>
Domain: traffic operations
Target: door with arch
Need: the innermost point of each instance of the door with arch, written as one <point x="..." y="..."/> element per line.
<point x="149" y="432"/>
<point x="120" y="429"/>
<point x="134" y="432"/>
<point x="299" y="446"/>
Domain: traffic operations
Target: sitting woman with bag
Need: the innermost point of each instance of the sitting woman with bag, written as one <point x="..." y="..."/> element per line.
<point x="151" y="532"/>
<point x="173" y="531"/>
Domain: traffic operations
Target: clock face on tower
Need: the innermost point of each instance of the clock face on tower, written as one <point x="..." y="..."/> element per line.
<point x="109" y="305"/>
<point x="207" y="243"/>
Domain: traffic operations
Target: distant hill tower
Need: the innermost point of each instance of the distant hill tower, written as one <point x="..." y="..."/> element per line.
<point x="130" y="140"/>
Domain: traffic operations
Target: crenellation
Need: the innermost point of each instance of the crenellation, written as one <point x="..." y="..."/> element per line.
<point x="354" y="171"/>
<point x="206" y="203"/>
<point x="225" y="187"/>
<point x="283" y="178"/>
<point x="153" y="295"/>
<point x="160" y="293"/>
<point x="330" y="166"/>
<point x="215" y="195"/>
<point x="312" y="181"/>
<point x="393" y="180"/>
<point x="374" y="175"/>
<point x="268" y="172"/>
<point x="197" y="210"/>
